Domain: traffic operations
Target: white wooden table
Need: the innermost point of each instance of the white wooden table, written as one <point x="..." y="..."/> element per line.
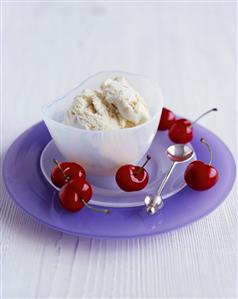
<point x="190" y="49"/>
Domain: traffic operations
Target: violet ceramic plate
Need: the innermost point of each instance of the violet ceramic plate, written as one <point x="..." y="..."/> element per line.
<point x="106" y="193"/>
<point x="29" y="189"/>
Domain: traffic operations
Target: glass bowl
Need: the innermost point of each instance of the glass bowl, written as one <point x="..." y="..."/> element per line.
<point x="102" y="152"/>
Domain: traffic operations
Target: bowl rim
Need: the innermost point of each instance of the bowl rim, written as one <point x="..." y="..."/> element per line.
<point x="46" y="106"/>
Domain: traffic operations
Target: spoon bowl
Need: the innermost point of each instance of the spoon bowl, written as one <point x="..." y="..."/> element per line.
<point x="179" y="152"/>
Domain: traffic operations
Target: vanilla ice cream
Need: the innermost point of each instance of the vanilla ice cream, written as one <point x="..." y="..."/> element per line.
<point x="115" y="105"/>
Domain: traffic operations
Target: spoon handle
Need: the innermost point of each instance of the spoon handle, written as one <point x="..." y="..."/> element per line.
<point x="165" y="179"/>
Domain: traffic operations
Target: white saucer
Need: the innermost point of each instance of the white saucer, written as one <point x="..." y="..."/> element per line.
<point x="105" y="190"/>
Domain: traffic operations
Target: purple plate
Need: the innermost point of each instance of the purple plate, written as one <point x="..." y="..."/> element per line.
<point x="29" y="189"/>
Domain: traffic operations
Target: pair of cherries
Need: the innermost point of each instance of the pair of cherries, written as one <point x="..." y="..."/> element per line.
<point x="180" y="130"/>
<point x="75" y="192"/>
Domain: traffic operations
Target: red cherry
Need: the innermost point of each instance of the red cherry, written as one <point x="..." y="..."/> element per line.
<point x="74" y="194"/>
<point x="200" y="176"/>
<point x="132" y="178"/>
<point x="63" y="172"/>
<point x="166" y="120"/>
<point x="181" y="130"/>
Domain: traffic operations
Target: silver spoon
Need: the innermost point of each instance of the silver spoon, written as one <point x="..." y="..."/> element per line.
<point x="177" y="153"/>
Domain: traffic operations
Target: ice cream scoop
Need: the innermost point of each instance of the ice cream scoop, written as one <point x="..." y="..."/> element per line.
<point x="126" y="99"/>
<point x="91" y="112"/>
<point x="116" y="105"/>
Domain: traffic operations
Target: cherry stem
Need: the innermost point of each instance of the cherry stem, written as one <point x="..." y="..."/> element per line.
<point x="197" y="119"/>
<point x="106" y="211"/>
<point x="62" y="171"/>
<point x="147" y="160"/>
<point x="138" y="171"/>
<point x="202" y="140"/>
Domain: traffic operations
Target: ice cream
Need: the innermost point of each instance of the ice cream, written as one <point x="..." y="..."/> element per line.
<point x="115" y="105"/>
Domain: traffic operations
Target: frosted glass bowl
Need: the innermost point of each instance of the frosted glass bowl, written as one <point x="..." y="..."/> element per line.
<point x="102" y="152"/>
